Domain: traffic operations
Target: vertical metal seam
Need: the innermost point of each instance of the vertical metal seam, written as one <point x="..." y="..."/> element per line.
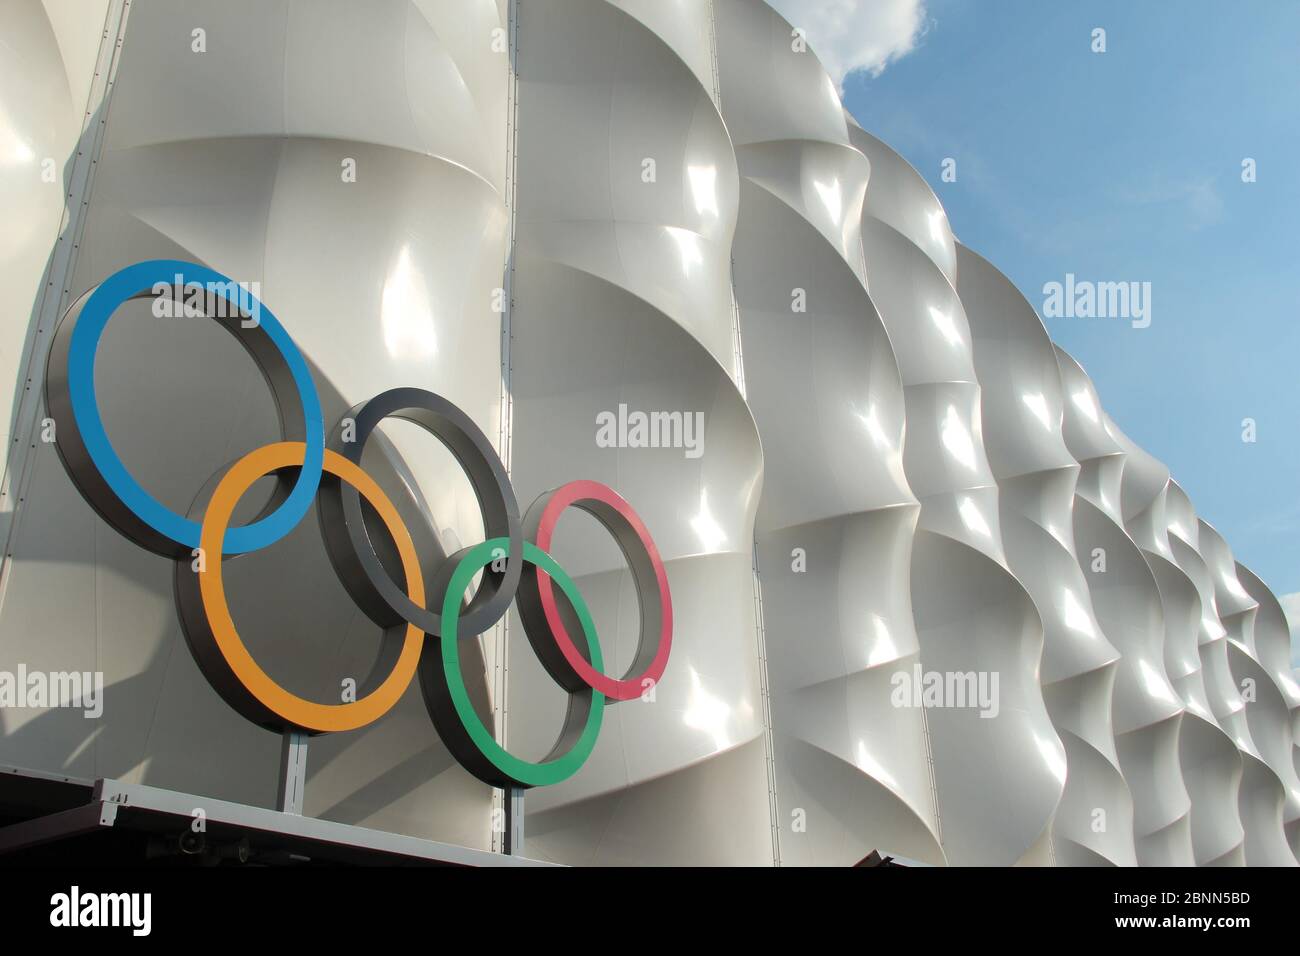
<point x="49" y="307"/>
<point x="737" y="352"/>
<point x="59" y="273"/>
<point x="501" y="841"/>
<point x="737" y="345"/>
<point x="929" y="766"/>
<point x="738" y="373"/>
<point x="769" y="742"/>
<point x="713" y="51"/>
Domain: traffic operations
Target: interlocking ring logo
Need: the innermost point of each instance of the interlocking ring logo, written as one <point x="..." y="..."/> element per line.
<point x="310" y="468"/>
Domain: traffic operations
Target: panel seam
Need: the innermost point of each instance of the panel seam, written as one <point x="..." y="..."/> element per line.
<point x="505" y="434"/>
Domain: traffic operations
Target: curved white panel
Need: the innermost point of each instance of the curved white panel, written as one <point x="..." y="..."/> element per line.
<point x="1022" y="403"/>
<point x="49" y="106"/>
<point x="1148" y="713"/>
<point x="835" y="526"/>
<point x="972" y="616"/>
<point x="909" y="207"/>
<point x="1273" y="648"/>
<point x="1274" y="809"/>
<point x="627" y="204"/>
<point x="1209" y="766"/>
<point x="1260" y="795"/>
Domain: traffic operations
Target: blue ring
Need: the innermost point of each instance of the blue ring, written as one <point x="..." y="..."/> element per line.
<point x="115" y="290"/>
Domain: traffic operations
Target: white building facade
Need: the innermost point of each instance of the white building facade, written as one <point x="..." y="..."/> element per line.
<point x="928" y="599"/>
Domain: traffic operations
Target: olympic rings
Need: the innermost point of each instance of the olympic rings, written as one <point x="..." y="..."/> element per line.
<point x="541" y="614"/>
<point x="211" y="632"/>
<point x="453" y="713"/>
<point x="529" y="572"/>
<point x="84" y="446"/>
<point x="348" y="542"/>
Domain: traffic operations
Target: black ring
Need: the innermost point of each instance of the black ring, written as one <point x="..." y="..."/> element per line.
<point x="351" y="549"/>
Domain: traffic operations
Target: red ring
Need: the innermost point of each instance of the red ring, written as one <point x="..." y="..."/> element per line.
<point x="576" y="492"/>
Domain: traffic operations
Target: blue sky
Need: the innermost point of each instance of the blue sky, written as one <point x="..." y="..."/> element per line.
<point x="1126" y="165"/>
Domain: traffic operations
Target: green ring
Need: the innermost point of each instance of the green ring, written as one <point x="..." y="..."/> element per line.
<point x="525" y="772"/>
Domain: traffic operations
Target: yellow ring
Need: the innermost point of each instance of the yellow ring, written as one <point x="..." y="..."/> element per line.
<point x="297" y="710"/>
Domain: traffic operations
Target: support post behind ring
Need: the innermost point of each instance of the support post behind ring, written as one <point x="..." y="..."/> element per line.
<point x="293" y="772"/>
<point x="514" y="801"/>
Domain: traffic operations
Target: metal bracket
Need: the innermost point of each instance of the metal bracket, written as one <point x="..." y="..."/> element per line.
<point x="293" y="772"/>
<point x="514" y="835"/>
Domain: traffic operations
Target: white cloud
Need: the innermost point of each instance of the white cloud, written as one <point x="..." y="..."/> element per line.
<point x="1197" y="195"/>
<point x="850" y="35"/>
<point x="1291" y="607"/>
